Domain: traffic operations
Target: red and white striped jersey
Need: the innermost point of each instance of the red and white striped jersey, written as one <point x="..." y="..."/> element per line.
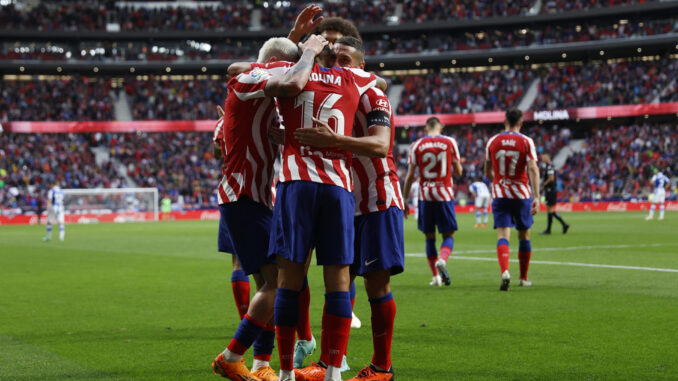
<point x="331" y="95"/>
<point x="433" y="157"/>
<point x="218" y="138"/>
<point x="377" y="186"/>
<point x="248" y="154"/>
<point x="509" y="153"/>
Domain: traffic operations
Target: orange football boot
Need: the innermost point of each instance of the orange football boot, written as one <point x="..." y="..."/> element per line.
<point x="371" y="374"/>
<point x="313" y="372"/>
<point x="235" y="371"/>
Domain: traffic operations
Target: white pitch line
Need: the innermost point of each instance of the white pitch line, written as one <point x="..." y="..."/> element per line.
<point x="455" y="256"/>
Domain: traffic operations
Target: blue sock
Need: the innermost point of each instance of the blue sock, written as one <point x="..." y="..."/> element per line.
<point x="286" y="311"/>
<point x="264" y="344"/>
<point x="477" y="216"/>
<point x="382" y="299"/>
<point x="338" y="303"/>
<point x="525" y="246"/>
<point x="247" y="332"/>
<point x="239" y="276"/>
<point x="351" y="291"/>
<point x="431" y="250"/>
<point x="449" y="242"/>
<point x="502" y="241"/>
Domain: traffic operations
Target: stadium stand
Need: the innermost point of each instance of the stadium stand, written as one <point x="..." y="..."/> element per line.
<point x="31" y="162"/>
<point x="159" y="98"/>
<point x="463" y="92"/>
<point x="63" y="98"/>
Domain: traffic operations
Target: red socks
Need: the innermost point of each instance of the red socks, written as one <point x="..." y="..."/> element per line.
<point x="324" y="353"/>
<point x="432" y="264"/>
<point x="304" y="326"/>
<point x="240" y="284"/>
<point x="383" y="318"/>
<point x="524" y="254"/>
<point x="503" y="254"/>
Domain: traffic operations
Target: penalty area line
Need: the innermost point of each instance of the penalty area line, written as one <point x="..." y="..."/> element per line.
<point x="575" y="264"/>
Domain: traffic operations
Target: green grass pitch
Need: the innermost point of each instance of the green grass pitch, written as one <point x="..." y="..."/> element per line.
<point x="152" y="301"/>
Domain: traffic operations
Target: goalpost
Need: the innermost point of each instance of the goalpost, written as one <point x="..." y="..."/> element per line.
<point x="100" y="201"/>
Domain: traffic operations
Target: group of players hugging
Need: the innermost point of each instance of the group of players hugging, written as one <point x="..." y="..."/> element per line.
<point x="337" y="194"/>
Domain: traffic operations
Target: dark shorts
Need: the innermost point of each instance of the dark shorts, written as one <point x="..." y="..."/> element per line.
<point x="437" y="213"/>
<point x="224" y="243"/>
<point x="379" y="242"/>
<point x="509" y="212"/>
<point x="551" y="198"/>
<point x="310" y="215"/>
<point x="248" y="224"/>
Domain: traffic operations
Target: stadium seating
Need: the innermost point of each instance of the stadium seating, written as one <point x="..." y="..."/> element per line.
<point x="65" y="98"/>
<point x="166" y="99"/>
<point x="31" y="162"/>
<point x="463" y="92"/>
<point x="181" y="165"/>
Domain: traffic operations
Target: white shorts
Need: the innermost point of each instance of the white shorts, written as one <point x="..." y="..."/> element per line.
<point x="55" y="216"/>
<point x="482" y="202"/>
<point x="659" y="197"/>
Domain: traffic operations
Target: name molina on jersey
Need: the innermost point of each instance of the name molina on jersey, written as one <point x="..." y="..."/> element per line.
<point x="330" y="79"/>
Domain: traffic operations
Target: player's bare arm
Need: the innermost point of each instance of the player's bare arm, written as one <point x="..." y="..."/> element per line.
<point x="305" y="22"/>
<point x="374" y="145"/>
<point x="409" y="179"/>
<point x="458" y="169"/>
<point x="533" y="173"/>
<point x="489" y="173"/>
<point x="292" y="83"/>
<point x="215" y="145"/>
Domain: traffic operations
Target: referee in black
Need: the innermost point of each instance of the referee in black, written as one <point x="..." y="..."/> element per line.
<point x="551" y="195"/>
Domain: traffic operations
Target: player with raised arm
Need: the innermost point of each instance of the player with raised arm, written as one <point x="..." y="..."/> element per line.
<point x="379" y="246"/>
<point x="511" y="163"/>
<point x="551" y="194"/>
<point x="240" y="282"/>
<point x="661" y="184"/>
<point x="55" y="211"/>
<point x="245" y="196"/>
<point x="436" y="158"/>
<point x="314" y="208"/>
<point x="482" y="198"/>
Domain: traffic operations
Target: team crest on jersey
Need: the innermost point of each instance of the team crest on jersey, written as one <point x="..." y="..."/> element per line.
<point x="256" y="73"/>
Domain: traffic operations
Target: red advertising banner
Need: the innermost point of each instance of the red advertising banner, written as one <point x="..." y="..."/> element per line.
<point x="213" y="214"/>
<point x="598" y="112"/>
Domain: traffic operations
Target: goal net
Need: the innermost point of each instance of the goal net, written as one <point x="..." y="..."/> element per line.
<point x="132" y="204"/>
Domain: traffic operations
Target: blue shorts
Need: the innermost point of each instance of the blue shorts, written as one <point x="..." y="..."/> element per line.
<point x="310" y="215"/>
<point x="512" y="212"/>
<point x="248" y="223"/>
<point x="437" y="213"/>
<point x="379" y="242"/>
<point x="224" y="243"/>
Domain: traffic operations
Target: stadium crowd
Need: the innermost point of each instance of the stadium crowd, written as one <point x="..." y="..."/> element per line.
<point x="156" y="98"/>
<point x="374" y="44"/>
<point x="30" y="163"/>
<point x="237" y="15"/>
<point x="603" y="83"/>
<point x="64" y="98"/>
<point x="180" y="164"/>
<point x="616" y="162"/>
<point x="463" y="92"/>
